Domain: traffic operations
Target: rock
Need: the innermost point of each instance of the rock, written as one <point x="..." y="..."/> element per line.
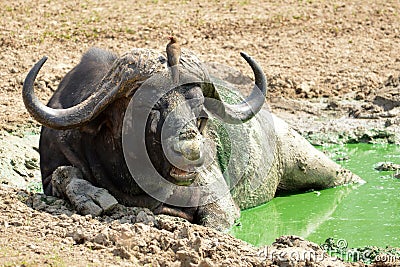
<point x="387" y="166"/>
<point x="342" y="158"/>
<point x="303" y="88"/>
<point x="332" y="105"/>
<point x="102" y="239"/>
<point x="32" y="163"/>
<point x="122" y="252"/>
<point x="14" y="70"/>
<point x="78" y="236"/>
<point x="38" y="203"/>
<point x="360" y="96"/>
<point x="145" y="218"/>
<point x="388" y="123"/>
<point x="387" y="101"/>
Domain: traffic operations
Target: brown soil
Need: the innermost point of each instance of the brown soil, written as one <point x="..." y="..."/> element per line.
<point x="307" y="48"/>
<point x="342" y="57"/>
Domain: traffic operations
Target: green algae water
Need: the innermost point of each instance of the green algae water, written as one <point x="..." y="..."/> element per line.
<point x="363" y="215"/>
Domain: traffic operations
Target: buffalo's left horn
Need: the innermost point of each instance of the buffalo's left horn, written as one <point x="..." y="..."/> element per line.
<point x="246" y="110"/>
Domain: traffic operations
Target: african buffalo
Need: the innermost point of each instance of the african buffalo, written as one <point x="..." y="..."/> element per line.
<point x="214" y="158"/>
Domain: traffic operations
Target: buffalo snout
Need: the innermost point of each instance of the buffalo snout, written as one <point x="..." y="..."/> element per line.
<point x="185" y="153"/>
<point x="190" y="145"/>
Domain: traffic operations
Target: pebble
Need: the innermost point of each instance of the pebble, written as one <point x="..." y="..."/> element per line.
<point x="122" y="252"/>
<point x="78" y="236"/>
<point x="342" y="158"/>
<point x="67" y="240"/>
<point x="143" y="217"/>
<point x="387" y="166"/>
<point x="101" y="239"/>
<point x="360" y="96"/>
<point x="388" y="123"/>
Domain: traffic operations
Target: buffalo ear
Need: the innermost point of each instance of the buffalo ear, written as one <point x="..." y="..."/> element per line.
<point x="212" y="101"/>
<point x="115" y="116"/>
<point x="210" y="91"/>
<point x="111" y="118"/>
<point x="92" y="128"/>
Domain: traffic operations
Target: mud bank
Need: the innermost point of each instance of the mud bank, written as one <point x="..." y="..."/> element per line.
<point x="52" y="234"/>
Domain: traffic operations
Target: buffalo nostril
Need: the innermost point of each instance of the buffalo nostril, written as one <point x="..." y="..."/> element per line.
<point x="188" y="134"/>
<point x="190" y="149"/>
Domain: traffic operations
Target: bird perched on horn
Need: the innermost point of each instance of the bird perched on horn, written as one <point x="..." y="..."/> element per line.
<point x="173" y="56"/>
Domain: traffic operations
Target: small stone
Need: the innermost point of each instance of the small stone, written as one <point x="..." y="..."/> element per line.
<point x="42" y="85"/>
<point x="102" y="239"/>
<point x="303" y="88"/>
<point x="68" y="240"/>
<point x="63" y="224"/>
<point x="122" y="252"/>
<point x="78" y="236"/>
<point x="388" y="123"/>
<point x="387" y="166"/>
<point x="38" y="204"/>
<point x="14" y="70"/>
<point x="342" y="158"/>
<point x="16" y="223"/>
<point x="32" y="164"/>
<point x="360" y="96"/>
<point x="144" y="218"/>
<point x="332" y="105"/>
<point x="31" y="246"/>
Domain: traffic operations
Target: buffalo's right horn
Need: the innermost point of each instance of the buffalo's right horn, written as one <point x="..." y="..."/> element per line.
<point x="69" y="117"/>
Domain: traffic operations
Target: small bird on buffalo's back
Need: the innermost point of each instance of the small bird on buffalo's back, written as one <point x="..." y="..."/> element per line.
<point x="173" y="56"/>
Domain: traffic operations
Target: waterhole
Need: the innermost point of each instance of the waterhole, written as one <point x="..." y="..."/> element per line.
<point x="363" y="215"/>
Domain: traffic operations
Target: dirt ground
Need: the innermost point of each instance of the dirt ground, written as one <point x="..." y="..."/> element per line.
<point x="331" y="66"/>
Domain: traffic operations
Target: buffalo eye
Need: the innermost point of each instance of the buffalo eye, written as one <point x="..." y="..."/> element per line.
<point x="154" y="119"/>
<point x="202" y="121"/>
